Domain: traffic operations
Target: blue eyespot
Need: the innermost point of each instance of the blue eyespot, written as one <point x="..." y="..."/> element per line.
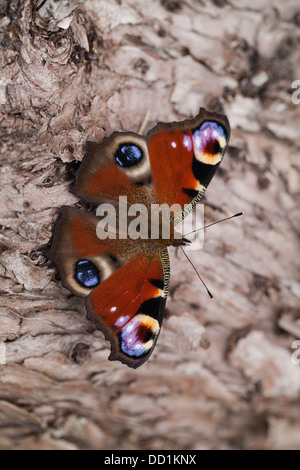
<point x="87" y="274"/>
<point x="128" y="155"/>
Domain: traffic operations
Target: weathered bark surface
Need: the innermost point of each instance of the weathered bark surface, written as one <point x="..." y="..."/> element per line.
<point x="221" y="375"/>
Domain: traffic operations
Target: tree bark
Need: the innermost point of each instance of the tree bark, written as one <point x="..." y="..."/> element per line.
<point x="222" y="374"/>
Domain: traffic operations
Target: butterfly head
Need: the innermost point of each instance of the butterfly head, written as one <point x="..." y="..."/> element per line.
<point x="178" y="240"/>
<point x="186" y="242"/>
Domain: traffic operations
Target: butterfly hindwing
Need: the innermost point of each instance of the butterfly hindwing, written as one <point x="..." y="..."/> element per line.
<point x="77" y="253"/>
<point x="118" y="166"/>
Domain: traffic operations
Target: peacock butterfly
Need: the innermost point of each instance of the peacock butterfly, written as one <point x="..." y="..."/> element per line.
<point x="125" y="280"/>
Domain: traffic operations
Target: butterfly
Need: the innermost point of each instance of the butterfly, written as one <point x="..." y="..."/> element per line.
<point x="125" y="279"/>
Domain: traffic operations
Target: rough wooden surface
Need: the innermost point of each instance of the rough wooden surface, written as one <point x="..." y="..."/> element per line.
<point x="221" y="375"/>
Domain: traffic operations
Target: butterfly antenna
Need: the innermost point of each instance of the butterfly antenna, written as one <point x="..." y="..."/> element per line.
<point x="214" y="223"/>
<point x="194" y="267"/>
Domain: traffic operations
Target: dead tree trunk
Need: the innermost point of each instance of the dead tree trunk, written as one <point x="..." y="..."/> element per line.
<point x="222" y="375"/>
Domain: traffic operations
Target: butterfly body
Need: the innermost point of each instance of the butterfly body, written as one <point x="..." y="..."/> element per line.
<point x="123" y="271"/>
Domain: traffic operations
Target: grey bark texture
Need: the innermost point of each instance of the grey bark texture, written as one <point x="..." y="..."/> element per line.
<point x="222" y="375"/>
